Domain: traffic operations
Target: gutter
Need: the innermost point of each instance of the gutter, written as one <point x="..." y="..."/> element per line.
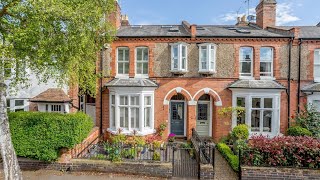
<point x="289" y="81"/>
<point x="299" y="75"/>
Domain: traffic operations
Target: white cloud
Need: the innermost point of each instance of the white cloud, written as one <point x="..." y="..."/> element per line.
<point x="284" y="14"/>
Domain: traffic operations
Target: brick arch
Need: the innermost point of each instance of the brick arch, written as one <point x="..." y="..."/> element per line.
<point x="175" y="91"/>
<point x="211" y="92"/>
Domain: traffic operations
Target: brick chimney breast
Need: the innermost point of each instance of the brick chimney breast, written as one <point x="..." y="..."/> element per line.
<point x="266" y="13"/>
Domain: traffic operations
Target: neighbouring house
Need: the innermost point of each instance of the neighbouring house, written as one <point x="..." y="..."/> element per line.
<point x="181" y="75"/>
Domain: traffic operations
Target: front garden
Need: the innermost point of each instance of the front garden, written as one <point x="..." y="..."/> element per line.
<point x="299" y="147"/>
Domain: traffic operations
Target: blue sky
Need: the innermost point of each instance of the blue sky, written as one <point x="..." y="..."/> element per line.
<point x="289" y="12"/>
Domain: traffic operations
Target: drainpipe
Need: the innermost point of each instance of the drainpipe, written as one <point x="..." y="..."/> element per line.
<point x="299" y="74"/>
<point x="101" y="69"/>
<point x="289" y="81"/>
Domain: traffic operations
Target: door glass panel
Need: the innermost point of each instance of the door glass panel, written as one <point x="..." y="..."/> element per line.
<point x="202" y="111"/>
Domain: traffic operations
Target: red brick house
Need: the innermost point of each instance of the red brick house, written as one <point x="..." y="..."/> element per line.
<point x="181" y="75"/>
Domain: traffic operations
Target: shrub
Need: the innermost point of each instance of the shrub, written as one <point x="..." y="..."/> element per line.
<point x="309" y="118"/>
<point x="240" y="132"/>
<point x="99" y="157"/>
<point x="41" y="135"/>
<point x="119" y="138"/>
<point x="156" y="156"/>
<point x="283" y="151"/>
<point x="226" y="152"/>
<point x="298" y="131"/>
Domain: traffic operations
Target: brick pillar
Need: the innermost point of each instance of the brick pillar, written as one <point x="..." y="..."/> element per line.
<point x="151" y="61"/>
<point x="132" y="62"/>
<point x="191" y="119"/>
<point x="256" y="62"/>
<point x="165" y="119"/>
<point x="237" y="62"/>
<point x="276" y="64"/>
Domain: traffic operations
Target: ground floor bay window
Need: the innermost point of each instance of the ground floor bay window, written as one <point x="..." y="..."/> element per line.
<point x="262" y="111"/>
<point x="131" y="110"/>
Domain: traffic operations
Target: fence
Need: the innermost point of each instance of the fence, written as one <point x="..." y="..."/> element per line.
<point x="204" y="149"/>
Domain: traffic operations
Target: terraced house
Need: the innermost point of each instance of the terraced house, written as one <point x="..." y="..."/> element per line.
<point x="181" y="75"/>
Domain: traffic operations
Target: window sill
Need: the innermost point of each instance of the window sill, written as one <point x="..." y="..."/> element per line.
<point x="130" y="133"/>
<point x="122" y="76"/>
<point x="206" y="72"/>
<point x="178" y="72"/>
<point x="246" y="77"/>
<point x="141" y="76"/>
<point x="267" y="78"/>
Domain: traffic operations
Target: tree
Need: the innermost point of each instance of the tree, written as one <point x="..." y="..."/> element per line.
<point x="56" y="39"/>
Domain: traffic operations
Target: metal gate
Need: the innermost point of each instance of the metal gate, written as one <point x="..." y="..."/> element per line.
<point x="185" y="163"/>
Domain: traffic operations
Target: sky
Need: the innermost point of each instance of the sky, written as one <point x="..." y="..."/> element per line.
<point x="217" y="12"/>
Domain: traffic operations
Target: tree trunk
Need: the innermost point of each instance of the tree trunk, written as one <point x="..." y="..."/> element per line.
<point x="9" y="158"/>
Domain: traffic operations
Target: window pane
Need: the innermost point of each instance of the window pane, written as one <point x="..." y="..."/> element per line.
<point x="265" y="67"/>
<point x="266" y="54"/>
<point x="19" y="102"/>
<point x="139" y="68"/>
<point x="134" y="100"/>
<point x="175" y="52"/>
<point x="17" y="110"/>
<point x="184" y="55"/>
<point x="139" y="54"/>
<point x="316" y="104"/>
<point x="241" y="101"/>
<point x="317" y="57"/>
<point x="123" y="117"/>
<point x="267" y="119"/>
<point x="246" y="54"/>
<point x="255" y="121"/>
<point x="256" y="102"/>
<point x="147" y="116"/>
<point x="113" y="99"/>
<point x="120" y="55"/>
<point x="241" y="118"/>
<point x="113" y="122"/>
<point x="126" y="68"/>
<point x="126" y="54"/>
<point x="147" y="100"/>
<point x="268" y="102"/>
<point x="120" y="68"/>
<point x="245" y="67"/>
<point x="316" y="70"/>
<point x="145" y="68"/>
<point x="146" y="54"/>
<point x="8" y="102"/>
<point x="134" y="117"/>
<point x="123" y="100"/>
<point x="175" y="63"/>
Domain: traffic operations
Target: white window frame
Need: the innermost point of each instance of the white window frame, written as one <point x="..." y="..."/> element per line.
<point x="142" y="61"/>
<point x="211" y="58"/>
<point x="270" y="76"/>
<point x="122" y="75"/>
<point x="257" y="93"/>
<point x="129" y="92"/>
<point x="316" y="79"/>
<point x="241" y="60"/>
<point x="13" y="106"/>
<point x="180" y="57"/>
<point x="313" y="97"/>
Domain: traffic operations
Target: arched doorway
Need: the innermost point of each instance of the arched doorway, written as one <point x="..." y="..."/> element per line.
<point x="204" y="117"/>
<point x="178" y="115"/>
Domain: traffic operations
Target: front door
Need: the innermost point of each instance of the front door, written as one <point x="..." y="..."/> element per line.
<point x="203" y="118"/>
<point x="177" y="118"/>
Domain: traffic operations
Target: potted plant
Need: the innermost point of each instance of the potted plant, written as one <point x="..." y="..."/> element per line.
<point x="171" y="137"/>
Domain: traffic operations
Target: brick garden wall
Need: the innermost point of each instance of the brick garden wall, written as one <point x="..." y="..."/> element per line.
<point x="279" y="173"/>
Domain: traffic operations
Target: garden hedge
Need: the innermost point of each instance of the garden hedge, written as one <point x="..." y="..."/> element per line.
<point x="227" y="153"/>
<point x="41" y="135"/>
<point x="298" y="131"/>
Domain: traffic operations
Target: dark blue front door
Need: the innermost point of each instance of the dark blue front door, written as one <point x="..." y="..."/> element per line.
<point x="177" y="118"/>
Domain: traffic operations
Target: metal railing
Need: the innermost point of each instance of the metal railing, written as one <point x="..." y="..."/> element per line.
<point x="205" y="149"/>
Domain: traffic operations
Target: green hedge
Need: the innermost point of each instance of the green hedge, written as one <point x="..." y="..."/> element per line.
<point x="298" y="131"/>
<point x="232" y="159"/>
<point x="40" y="135"/>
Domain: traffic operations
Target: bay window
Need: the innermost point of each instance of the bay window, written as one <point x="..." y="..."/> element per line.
<point x="142" y="60"/>
<point x="123" y="61"/>
<point x="179" y="57"/>
<point x="207" y="58"/>
<point x="131" y="111"/>
<point x="266" y="62"/>
<point x="246" y="65"/>
<point x="317" y="65"/>
<point x="262" y="112"/>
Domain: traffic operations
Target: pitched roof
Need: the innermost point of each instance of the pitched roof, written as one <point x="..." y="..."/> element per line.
<point x="307" y="32"/>
<point x="256" y="84"/>
<point x="250" y="31"/>
<point x="312" y="88"/>
<point x="131" y="82"/>
<point x="51" y="95"/>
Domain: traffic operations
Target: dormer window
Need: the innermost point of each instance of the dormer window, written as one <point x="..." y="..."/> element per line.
<point x="246" y="57"/>
<point x="207" y="58"/>
<point x="316" y="70"/>
<point x="179" y="57"/>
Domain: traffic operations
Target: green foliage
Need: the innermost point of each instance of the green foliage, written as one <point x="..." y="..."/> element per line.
<point x="226" y="139"/>
<point x="226" y="152"/>
<point x="156" y="144"/>
<point x="162" y="128"/>
<point x="309" y="118"/>
<point x="99" y="157"/>
<point x="113" y="152"/>
<point x="56" y="39"/>
<point x="240" y="144"/>
<point x="298" y="131"/>
<point x="227" y="112"/>
<point x="139" y="141"/>
<point x="240" y="132"/>
<point x="156" y="156"/>
<point x="119" y="138"/>
<point x="41" y="135"/>
<point x="129" y="153"/>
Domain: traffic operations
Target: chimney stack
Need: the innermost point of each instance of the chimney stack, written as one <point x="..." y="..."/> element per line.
<point x="241" y="21"/>
<point x="266" y="13"/>
<point x="125" y="20"/>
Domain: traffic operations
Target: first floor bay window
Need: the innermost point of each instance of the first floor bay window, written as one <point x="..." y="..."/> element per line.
<point x="316" y="69"/>
<point x="262" y="112"/>
<point x="179" y="57"/>
<point x="131" y="111"/>
<point x="207" y="58"/>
